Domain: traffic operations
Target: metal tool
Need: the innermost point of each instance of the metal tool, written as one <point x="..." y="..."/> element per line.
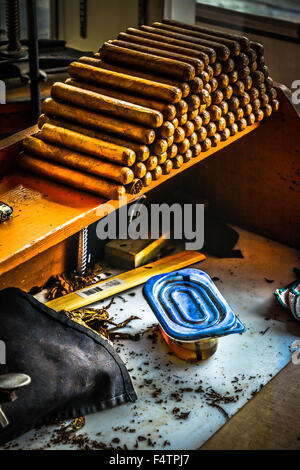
<point x="8" y="384"/>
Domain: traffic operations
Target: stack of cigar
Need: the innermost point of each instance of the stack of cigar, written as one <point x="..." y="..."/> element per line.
<point x="147" y="103"/>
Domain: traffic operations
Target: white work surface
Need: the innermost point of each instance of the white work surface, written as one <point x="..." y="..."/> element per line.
<point x="240" y="367"/>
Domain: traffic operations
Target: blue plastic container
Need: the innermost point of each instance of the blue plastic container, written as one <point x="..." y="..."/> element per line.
<point x="191" y="311"/>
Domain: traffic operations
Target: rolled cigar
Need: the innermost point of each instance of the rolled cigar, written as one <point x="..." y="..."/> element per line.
<point x="215" y="139"/>
<point x="90" y="145"/>
<point x="188" y="41"/>
<point x="215" y="113"/>
<point x="88" y="118"/>
<point x="223" y="80"/>
<point x="157" y="172"/>
<point x="211" y="129"/>
<point x="269" y="83"/>
<point x="204" y="97"/>
<point x="147" y="179"/>
<point x="224" y="107"/>
<point x="196" y="63"/>
<point x="151" y="163"/>
<point x="233" y="76"/>
<point x="170" y="140"/>
<point x="139" y="170"/>
<point x="172" y="151"/>
<point x="265" y="71"/>
<point x="183" y="146"/>
<point x="70" y="177"/>
<point x="217" y="97"/>
<point x="188" y="129"/>
<point x="198" y="122"/>
<point x="247" y="109"/>
<point x="247" y="82"/>
<point x="123" y="70"/>
<point x="242" y="60"/>
<point x="230" y="119"/>
<point x="162" y="158"/>
<point x="261" y="88"/>
<point x="191" y="115"/>
<point x="177" y="161"/>
<point x="234" y="103"/>
<point x="259" y="115"/>
<point x="242" y="124"/>
<point x="196" y="150"/>
<point x="252" y="56"/>
<point x="181" y="108"/>
<point x="179" y="135"/>
<point x="267" y="109"/>
<point x="257" y="77"/>
<point x="106" y="104"/>
<point x="78" y="161"/>
<point x="238" y="87"/>
<point x="153" y="63"/>
<point x="210" y="71"/>
<point x="167" y="110"/>
<point x="206" y="144"/>
<point x="208" y="87"/>
<point x="196" y="85"/>
<point x="142" y="152"/>
<point x="214" y="84"/>
<point x="227" y="92"/>
<point x="182" y="119"/>
<point x="242" y="40"/>
<point x="193" y="102"/>
<point x="221" y="124"/>
<point x="175" y="124"/>
<point x="159" y="146"/>
<point x="244" y="99"/>
<point x="166" y="130"/>
<point x="154" y="40"/>
<point x="244" y="72"/>
<point x="193" y="139"/>
<point x="129" y="83"/>
<point x="238" y="114"/>
<point x="167" y="167"/>
<point x="250" y="119"/>
<point x="135" y="187"/>
<point x="272" y="94"/>
<point x="232" y="46"/>
<point x="228" y="66"/>
<point x="202" y="108"/>
<point x="256" y="104"/>
<point x="205" y="117"/>
<point x="233" y="128"/>
<point x="275" y="105"/>
<point x="225" y="134"/>
<point x="259" y="48"/>
<point x="187" y="156"/>
<point x="253" y="67"/>
<point x="253" y="93"/>
<point x="204" y="77"/>
<point x="217" y="68"/>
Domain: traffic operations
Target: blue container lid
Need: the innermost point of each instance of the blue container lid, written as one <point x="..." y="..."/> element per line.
<point x="189" y="307"/>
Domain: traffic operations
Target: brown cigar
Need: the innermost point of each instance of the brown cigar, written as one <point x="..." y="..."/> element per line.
<point x="223" y="80"/>
<point x="253" y="93"/>
<point x="230" y="119"/>
<point x="217" y="68"/>
<point x="244" y="99"/>
<point x="248" y="82"/>
<point x="208" y="87"/>
<point x="151" y="163"/>
<point x="170" y="140"/>
<point x="159" y="146"/>
<point x="179" y="135"/>
<point x="172" y="151"/>
<point x="269" y="83"/>
<point x="233" y="76"/>
<point x="193" y="102"/>
<point x="166" y="130"/>
<point x="233" y="128"/>
<point x="259" y="115"/>
<point x="142" y="151"/>
<point x="106" y="104"/>
<point x="252" y="55"/>
<point x="227" y="92"/>
<point x="257" y="77"/>
<point x="198" y="122"/>
<point x="204" y="77"/>
<point x="234" y="103"/>
<point x="196" y="150"/>
<point x="90" y="145"/>
<point x="175" y="124"/>
<point x="215" y="112"/>
<point x="260" y="61"/>
<point x="88" y="118"/>
<point x="157" y="172"/>
<point x="78" y="161"/>
<point x="225" y="134"/>
<point x="275" y="105"/>
<point x="188" y="128"/>
<point x="196" y="85"/>
<point x="139" y="170"/>
<point x="205" y="117"/>
<point x="206" y="144"/>
<point x="147" y="180"/>
<point x="262" y="88"/>
<point x="238" y="88"/>
<point x="222" y="50"/>
<point x="196" y="63"/>
<point x="221" y="124"/>
<point x="211" y="129"/>
<point x="154" y="40"/>
<point x="267" y="109"/>
<point x="215" y="139"/>
<point x="250" y="119"/>
<point x="193" y="139"/>
<point x="259" y="48"/>
<point x="242" y="124"/>
<point x="272" y="94"/>
<point x="167" y="167"/>
<point x="182" y="119"/>
<point x="210" y="71"/>
<point x="228" y="66"/>
<point x="264" y="99"/>
<point x="232" y="41"/>
<point x="254" y="67"/>
<point x="256" y="104"/>
<point x="187" y="156"/>
<point x="238" y="114"/>
<point x="224" y="107"/>
<point x="247" y="109"/>
<point x="129" y="83"/>
<point x="244" y="73"/>
<point x="177" y="161"/>
<point x="181" y="108"/>
<point x="162" y="158"/>
<point x="184" y="146"/>
<point x="149" y="62"/>
<point x="191" y="115"/>
<point x="167" y="110"/>
<point x="70" y="177"/>
<point x="135" y="187"/>
<point x="214" y="84"/>
<point x="217" y="97"/>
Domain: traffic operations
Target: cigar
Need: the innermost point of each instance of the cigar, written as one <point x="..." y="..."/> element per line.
<point x="159" y="146"/>
<point x="193" y="102"/>
<point x="129" y="83"/>
<point x="242" y="60"/>
<point x="217" y="68"/>
<point x="257" y="77"/>
<point x="172" y="151"/>
<point x="227" y="92"/>
<point x="191" y="115"/>
<point x="135" y="187"/>
<point x="95" y="120"/>
<point x="256" y="104"/>
<point x="210" y="71"/>
<point x="167" y="167"/>
<point x="185" y="41"/>
<point x="175" y="123"/>
<point x="215" y="139"/>
<point x="205" y="117"/>
<point x="244" y="99"/>
<point x="204" y="77"/>
<point x="181" y="108"/>
<point x="221" y="124"/>
<point x="225" y="134"/>
<point x="166" y="130"/>
<point x="151" y="163"/>
<point x="233" y="128"/>
<point x="139" y="170"/>
<point x="267" y="109"/>
<point x="215" y="112"/>
<point x="223" y="80"/>
<point x="187" y="156"/>
<point x="106" y="104"/>
<point x="182" y="119"/>
<point x="230" y="119"/>
<point x="196" y="150"/>
<point x="198" y="122"/>
<point x="214" y="84"/>
<point x="248" y="82"/>
<point x="157" y="172"/>
<point x="275" y="105"/>
<point x="252" y="56"/>
<point x="244" y="72"/>
<point x="149" y="62"/>
<point x="78" y="161"/>
<point x="154" y="40"/>
<point x="70" y="177"/>
<point x="238" y="114"/>
<point x="196" y="85"/>
<point x="224" y="107"/>
<point x="162" y="158"/>
<point x="206" y="144"/>
<point x="259" y="115"/>
<point x="135" y="73"/>
<point x="233" y="76"/>
<point x="170" y="140"/>
<point x="193" y="139"/>
<point x="147" y="179"/>
<point x="188" y="128"/>
<point x="228" y="66"/>
<point x="238" y="87"/>
<point x="247" y="109"/>
<point x="179" y="135"/>
<point x="242" y="124"/>
<point x="207" y="87"/>
<point x="90" y="145"/>
<point x="142" y="151"/>
<point x="253" y="66"/>
<point x="177" y="161"/>
<point x="253" y="93"/>
<point x="259" y="48"/>
<point x="168" y="110"/>
<point x="265" y="71"/>
<point x="250" y="118"/>
<point x="217" y="97"/>
<point x="205" y="97"/>
<point x="184" y="146"/>
<point x="261" y="88"/>
<point x="234" y="103"/>
<point x="269" y="83"/>
<point x="272" y="94"/>
<point x="241" y="40"/>
<point x="211" y="129"/>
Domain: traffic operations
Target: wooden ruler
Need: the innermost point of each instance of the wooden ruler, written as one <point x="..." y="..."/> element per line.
<point x="124" y="281"/>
